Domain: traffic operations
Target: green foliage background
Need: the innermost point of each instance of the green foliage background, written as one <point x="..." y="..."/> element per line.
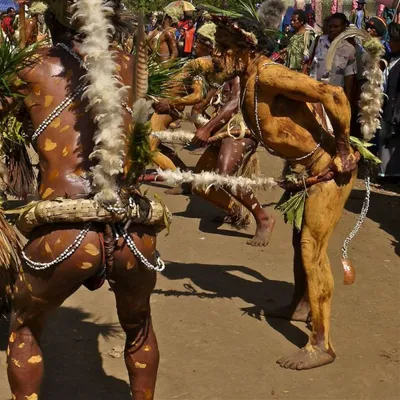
<point x="158" y="5"/>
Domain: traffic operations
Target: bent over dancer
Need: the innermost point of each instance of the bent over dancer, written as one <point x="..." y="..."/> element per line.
<point x="274" y="106"/>
<point x="61" y="256"/>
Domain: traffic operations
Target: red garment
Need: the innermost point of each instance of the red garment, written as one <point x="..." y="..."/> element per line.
<point x="189" y="39"/>
<point x="6" y="25"/>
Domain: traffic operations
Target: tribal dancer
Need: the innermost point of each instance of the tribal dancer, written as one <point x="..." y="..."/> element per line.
<point x="321" y="167"/>
<point x="227" y="157"/>
<point x="83" y="194"/>
<point x="163" y="43"/>
<point x="187" y="88"/>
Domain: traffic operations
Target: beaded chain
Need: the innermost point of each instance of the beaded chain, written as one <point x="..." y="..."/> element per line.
<point x="258" y="135"/>
<point x="57" y="111"/>
<point x="38" y="266"/>
<point x="116" y="209"/>
<point x="160" y="265"/>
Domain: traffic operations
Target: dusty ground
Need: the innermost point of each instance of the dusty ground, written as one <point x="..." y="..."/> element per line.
<point x="208" y="307"/>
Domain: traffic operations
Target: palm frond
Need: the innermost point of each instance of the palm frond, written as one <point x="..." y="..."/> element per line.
<point x="12" y="61"/>
<point x="164" y="76"/>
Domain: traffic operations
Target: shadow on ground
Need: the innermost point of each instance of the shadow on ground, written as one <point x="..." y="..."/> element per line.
<point x="73" y="365"/>
<point x="221" y="281"/>
<point x="384" y="209"/>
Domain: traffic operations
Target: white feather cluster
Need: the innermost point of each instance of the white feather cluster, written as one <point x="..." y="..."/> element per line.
<point x="173" y="136"/>
<point x="105" y="94"/>
<point x="371" y="98"/>
<point x="205" y="180"/>
<point x="141" y="111"/>
<point x="197" y="119"/>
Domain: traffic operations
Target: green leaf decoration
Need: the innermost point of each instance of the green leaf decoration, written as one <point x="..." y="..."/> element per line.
<point x="292" y="207"/>
<point x="362" y="148"/>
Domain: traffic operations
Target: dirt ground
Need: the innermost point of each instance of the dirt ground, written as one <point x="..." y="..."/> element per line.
<point x="214" y="340"/>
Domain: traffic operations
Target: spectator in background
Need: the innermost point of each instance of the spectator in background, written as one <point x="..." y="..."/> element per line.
<point x="7" y="23"/>
<point x="298" y="51"/>
<point x="377" y="27"/>
<point x="359" y="16"/>
<point x="189" y="38"/>
<point x="344" y="68"/>
<point x="286" y="20"/>
<point x="152" y="25"/>
<point x="310" y="15"/>
<point x="389" y="135"/>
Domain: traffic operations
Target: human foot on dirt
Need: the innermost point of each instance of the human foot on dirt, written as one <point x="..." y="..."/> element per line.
<point x="185" y="188"/>
<point x="263" y="233"/>
<point x="237" y="221"/>
<point x="306" y="358"/>
<point x="292" y="312"/>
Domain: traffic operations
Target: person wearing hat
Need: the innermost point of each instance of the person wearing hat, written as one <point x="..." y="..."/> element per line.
<point x="359" y="16"/>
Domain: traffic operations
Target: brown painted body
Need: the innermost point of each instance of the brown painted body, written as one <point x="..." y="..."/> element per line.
<point x="64" y="150"/>
<point x="286" y="125"/>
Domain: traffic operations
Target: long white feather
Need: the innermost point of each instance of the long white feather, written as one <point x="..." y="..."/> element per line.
<point x="105" y="94"/>
<point x="205" y="180"/>
<point x="173" y="136"/>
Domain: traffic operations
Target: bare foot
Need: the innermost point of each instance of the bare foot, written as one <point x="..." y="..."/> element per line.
<point x="306" y="358"/>
<point x="292" y="312"/>
<point x="263" y="233"/>
<point x="185" y="188"/>
<point x="236" y="220"/>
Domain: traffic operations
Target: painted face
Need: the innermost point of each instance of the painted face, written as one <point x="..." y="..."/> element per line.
<point x="201" y="49"/>
<point x="227" y="63"/>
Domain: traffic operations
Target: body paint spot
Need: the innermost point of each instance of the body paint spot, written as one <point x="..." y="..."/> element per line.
<point x="47" y="248"/>
<point x="148" y="394"/>
<point x="21" y="346"/>
<point x="30" y="287"/>
<point x="86" y="265"/>
<point x="35" y="359"/>
<point x="92" y="249"/>
<point x="33" y="396"/>
<point x="140" y="365"/>
<point x="58" y="241"/>
<point x="54" y="174"/>
<point x="56" y="123"/>
<point x="129" y="265"/>
<point x="64" y="128"/>
<point x="147" y="348"/>
<point x="13" y="397"/>
<point x="48" y="100"/>
<point x="254" y="206"/>
<point x="16" y="362"/>
<point x="65" y="151"/>
<point x="13" y="336"/>
<point x="20" y="321"/>
<point x="8" y="351"/>
<point x="47" y="193"/>
<point x="37" y="90"/>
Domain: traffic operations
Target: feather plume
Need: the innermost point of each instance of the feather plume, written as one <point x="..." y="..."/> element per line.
<point x="205" y="180"/>
<point x="141" y="75"/>
<point x="197" y="119"/>
<point x="173" y="136"/>
<point x="371" y="98"/>
<point x="270" y="13"/>
<point x="105" y="94"/>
